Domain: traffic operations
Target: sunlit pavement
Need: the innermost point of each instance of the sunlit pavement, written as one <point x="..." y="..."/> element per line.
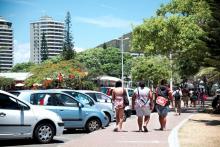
<point x="130" y="137"/>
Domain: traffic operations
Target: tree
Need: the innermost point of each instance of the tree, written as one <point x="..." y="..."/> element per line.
<point x="23" y="67"/>
<point x="213" y="40"/>
<point x="44" y="49"/>
<point x="101" y="61"/>
<point x="177" y="29"/>
<point x="70" y="69"/>
<point x="104" y="46"/>
<point x="68" y="46"/>
<point x="206" y="14"/>
<point x="6" y="83"/>
<point x="152" y="69"/>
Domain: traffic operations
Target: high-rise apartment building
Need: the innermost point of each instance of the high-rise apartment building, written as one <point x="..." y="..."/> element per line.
<point x="6" y="45"/>
<point x="54" y="35"/>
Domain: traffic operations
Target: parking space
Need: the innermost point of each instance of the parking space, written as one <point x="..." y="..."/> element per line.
<point x="58" y="140"/>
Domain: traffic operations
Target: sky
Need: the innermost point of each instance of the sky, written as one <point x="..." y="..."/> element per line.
<point x="93" y="21"/>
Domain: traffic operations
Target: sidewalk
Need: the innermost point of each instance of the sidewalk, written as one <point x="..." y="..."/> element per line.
<point x="130" y="137"/>
<point x="202" y="129"/>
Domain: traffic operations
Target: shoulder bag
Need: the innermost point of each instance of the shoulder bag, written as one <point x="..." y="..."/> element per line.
<point x="161" y="100"/>
<point x="125" y="98"/>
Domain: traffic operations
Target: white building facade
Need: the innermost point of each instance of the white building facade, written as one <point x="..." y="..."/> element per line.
<point x="6" y="45"/>
<point x="54" y="34"/>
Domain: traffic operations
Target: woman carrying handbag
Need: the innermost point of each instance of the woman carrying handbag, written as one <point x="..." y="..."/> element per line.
<point x="142" y="102"/>
<point x="119" y="102"/>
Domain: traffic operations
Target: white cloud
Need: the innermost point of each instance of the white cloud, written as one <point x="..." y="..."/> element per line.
<point x="107" y="22"/>
<point x="21" y="52"/>
<point x="78" y="49"/>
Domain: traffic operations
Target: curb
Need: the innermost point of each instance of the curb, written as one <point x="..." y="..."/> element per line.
<point x="173" y="139"/>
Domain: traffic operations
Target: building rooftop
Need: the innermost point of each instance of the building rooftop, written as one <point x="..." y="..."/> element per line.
<point x="17" y="76"/>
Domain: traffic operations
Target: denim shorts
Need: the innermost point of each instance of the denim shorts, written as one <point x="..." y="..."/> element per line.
<point x="162" y="110"/>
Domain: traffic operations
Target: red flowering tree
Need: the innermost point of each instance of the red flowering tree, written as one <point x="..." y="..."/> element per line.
<point x="57" y="74"/>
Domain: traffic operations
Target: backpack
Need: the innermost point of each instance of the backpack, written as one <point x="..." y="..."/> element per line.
<point x="163" y="91"/>
<point x="194" y="96"/>
<point x="177" y="95"/>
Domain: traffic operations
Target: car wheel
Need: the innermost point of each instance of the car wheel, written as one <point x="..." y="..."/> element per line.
<point x="108" y="118"/>
<point x="93" y="124"/>
<point x="44" y="133"/>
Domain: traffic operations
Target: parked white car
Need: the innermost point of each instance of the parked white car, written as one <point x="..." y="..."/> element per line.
<point x="19" y="119"/>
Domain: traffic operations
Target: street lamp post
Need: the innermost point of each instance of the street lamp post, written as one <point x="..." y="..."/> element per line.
<point x="122" y="59"/>
<point x="171" y="74"/>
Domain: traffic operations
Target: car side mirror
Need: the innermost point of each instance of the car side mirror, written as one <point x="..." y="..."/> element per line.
<point x="80" y="105"/>
<point x="21" y="108"/>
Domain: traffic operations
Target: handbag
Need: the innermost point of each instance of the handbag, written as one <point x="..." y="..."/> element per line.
<point x="162" y="100"/>
<point x="125" y="98"/>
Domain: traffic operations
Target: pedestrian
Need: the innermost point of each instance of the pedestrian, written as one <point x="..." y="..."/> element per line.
<point x="163" y="98"/>
<point x="194" y="97"/>
<point x="177" y="94"/>
<point x="142" y="102"/>
<point x="216" y="103"/>
<point x="202" y="98"/>
<point x="190" y="95"/>
<point x="185" y="96"/>
<point x="118" y="95"/>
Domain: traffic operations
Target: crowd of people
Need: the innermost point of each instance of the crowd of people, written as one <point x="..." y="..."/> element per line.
<point x="190" y="98"/>
<point x="144" y="101"/>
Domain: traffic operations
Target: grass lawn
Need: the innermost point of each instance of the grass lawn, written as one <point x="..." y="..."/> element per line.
<point x="202" y="130"/>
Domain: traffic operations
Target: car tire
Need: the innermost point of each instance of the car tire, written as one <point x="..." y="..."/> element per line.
<point x="108" y="117"/>
<point x="44" y="133"/>
<point x="93" y="125"/>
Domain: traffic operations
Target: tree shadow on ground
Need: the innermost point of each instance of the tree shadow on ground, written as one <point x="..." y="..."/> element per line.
<point x="75" y="131"/>
<point x="208" y="122"/>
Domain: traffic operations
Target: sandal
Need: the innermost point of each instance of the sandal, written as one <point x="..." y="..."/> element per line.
<point x="115" y="130"/>
<point x="145" y="129"/>
<point x="140" y="130"/>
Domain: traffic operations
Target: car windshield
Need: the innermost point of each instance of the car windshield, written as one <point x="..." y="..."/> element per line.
<point x="130" y="92"/>
<point x="86" y="100"/>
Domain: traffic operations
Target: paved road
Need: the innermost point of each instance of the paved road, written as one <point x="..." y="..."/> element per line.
<point x="67" y="136"/>
<point x="130" y="137"/>
<point x="107" y="138"/>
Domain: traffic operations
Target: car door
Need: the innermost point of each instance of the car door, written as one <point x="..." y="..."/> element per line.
<point x="130" y="93"/>
<point x="69" y="110"/>
<point x="43" y="100"/>
<point x="16" y="118"/>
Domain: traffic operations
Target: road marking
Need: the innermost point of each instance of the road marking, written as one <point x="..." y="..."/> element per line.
<point x="173" y="137"/>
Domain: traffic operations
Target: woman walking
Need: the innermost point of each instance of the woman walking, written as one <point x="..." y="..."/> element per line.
<point x="118" y="95"/>
<point x="142" y="102"/>
<point x="164" y="96"/>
